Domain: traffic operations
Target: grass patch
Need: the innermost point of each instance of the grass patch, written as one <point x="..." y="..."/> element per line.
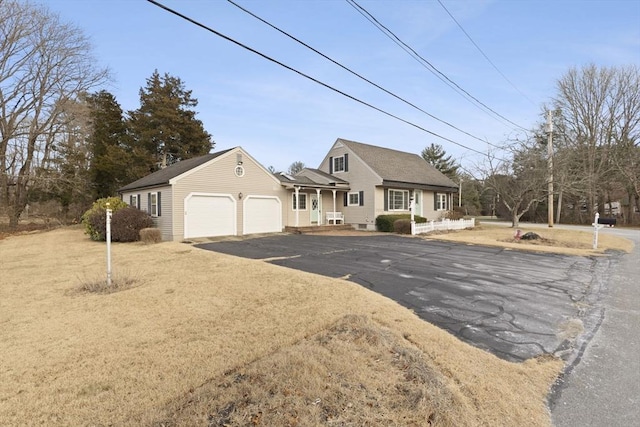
<point x="208" y="338"/>
<point x="99" y="285"/>
<point x="553" y="240"/>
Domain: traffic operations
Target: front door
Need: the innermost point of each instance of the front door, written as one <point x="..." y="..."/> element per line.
<point x="315" y="209"/>
<point x="417" y="194"/>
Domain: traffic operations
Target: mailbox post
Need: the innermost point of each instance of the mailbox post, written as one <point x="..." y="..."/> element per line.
<point x="596" y="226"/>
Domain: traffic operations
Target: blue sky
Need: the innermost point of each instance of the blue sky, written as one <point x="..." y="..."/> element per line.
<point x="280" y="117"/>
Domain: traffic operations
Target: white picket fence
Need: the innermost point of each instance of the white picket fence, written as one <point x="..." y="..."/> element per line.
<point x="444" y="224"/>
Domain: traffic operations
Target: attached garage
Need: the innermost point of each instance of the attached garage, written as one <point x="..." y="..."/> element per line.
<point x="208" y="215"/>
<point x="262" y="214"/>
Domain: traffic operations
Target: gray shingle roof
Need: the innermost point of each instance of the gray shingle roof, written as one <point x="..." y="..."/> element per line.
<point x="163" y="176"/>
<point x="399" y="166"/>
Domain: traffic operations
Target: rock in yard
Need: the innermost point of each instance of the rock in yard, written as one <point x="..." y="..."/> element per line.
<point x="530" y="236"/>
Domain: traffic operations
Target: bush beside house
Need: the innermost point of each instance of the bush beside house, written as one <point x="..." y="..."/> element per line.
<point x="386" y="222"/>
<point x="126" y="222"/>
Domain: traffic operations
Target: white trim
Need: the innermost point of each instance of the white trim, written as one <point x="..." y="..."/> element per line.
<point x="335" y="160"/>
<point x="244" y="210"/>
<point x="193" y="194"/>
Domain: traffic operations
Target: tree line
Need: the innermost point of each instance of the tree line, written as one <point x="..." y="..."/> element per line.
<point x="64" y="141"/>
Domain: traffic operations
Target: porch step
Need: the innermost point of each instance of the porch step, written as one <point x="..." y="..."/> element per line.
<point x="317" y="228"/>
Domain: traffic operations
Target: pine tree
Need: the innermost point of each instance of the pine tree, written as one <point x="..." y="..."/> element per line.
<point x="436" y="156"/>
<point x="111" y="157"/>
<point x="165" y="129"/>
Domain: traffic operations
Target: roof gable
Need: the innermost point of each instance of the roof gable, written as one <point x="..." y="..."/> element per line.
<point x="163" y="176"/>
<point x="398" y="166"/>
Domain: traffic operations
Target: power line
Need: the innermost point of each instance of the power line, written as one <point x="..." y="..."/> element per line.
<point x="483" y="54"/>
<point x="404" y="46"/>
<point x="268" y="58"/>
<point x="357" y="74"/>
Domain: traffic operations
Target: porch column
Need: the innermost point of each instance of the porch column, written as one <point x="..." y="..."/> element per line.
<point x="297" y="193"/>
<point x="319" y="204"/>
<point x="334" y="204"/>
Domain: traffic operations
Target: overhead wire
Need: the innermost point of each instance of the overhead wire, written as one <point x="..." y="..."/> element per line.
<point x="275" y="61"/>
<point x="357" y="74"/>
<point x="484" y="54"/>
<point x="428" y="65"/>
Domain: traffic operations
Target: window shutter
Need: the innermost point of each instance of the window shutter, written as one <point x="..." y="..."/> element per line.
<point x="386" y="199"/>
<point x="330" y="164"/>
<point x="131" y="200"/>
<point x="149" y="203"/>
<point x="435" y="201"/>
<point x="346" y="162"/>
<point x="361" y="198"/>
<point x="138" y="204"/>
<point x="159" y="203"/>
<point x="346" y="198"/>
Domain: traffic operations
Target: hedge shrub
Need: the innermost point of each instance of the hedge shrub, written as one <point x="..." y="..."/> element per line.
<point x="95" y="220"/>
<point x="402" y="226"/>
<point x="126" y="224"/>
<point x="385" y="222"/>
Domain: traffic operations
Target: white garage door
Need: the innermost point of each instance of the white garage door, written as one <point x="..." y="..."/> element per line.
<point x="262" y="214"/>
<point x="209" y="215"/>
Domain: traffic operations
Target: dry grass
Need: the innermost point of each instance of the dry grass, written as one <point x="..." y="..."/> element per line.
<point x="554" y="240"/>
<point x="206" y="338"/>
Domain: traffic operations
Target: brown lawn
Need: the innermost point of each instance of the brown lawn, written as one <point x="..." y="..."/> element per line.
<point x="208" y="339"/>
<point x="555" y="240"/>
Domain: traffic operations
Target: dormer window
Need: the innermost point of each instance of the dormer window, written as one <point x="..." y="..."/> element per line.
<point x="339" y="164"/>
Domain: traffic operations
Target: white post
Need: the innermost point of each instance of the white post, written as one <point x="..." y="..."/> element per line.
<point x="550" y="184"/>
<point x="297" y="205"/>
<point x="596" y="227"/>
<point x="460" y="194"/>
<point x="334" y="205"/>
<point x="412" y="206"/>
<point x="108" y="245"/>
<point x="319" y="206"/>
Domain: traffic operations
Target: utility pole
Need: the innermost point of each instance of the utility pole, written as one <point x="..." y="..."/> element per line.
<point x="550" y="154"/>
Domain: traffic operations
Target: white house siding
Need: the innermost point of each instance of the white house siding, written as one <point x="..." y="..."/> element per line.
<point x="360" y="178"/>
<point x="218" y="177"/>
<point x="163" y="222"/>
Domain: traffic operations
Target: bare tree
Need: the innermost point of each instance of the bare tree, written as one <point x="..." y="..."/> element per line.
<point x="601" y="112"/>
<point x="295" y="167"/>
<point x="44" y="63"/>
<point x="518" y="180"/>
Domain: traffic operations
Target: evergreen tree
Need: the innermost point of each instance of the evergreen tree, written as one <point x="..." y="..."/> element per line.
<point x="111" y="157"/>
<point x="436" y="156"/>
<point x="165" y="129"/>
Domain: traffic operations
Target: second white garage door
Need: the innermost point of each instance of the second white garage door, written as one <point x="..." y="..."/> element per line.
<point x="262" y="214"/>
<point x="208" y="215"/>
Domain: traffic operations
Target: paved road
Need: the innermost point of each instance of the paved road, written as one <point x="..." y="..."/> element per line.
<point x="602" y="386"/>
<point x="511" y="303"/>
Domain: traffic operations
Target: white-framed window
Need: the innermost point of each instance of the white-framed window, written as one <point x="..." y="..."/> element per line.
<point x="353" y="199"/>
<point x="338" y="164"/>
<point x="153" y="204"/>
<point x="239" y="171"/>
<point x="302" y="198"/>
<point x="441" y="201"/>
<point x="398" y="200"/>
<point x="133" y="200"/>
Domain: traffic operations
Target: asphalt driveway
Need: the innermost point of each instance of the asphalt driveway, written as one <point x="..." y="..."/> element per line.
<point x="514" y="304"/>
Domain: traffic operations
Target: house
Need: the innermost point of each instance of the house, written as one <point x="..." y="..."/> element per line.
<point x="230" y="193"/>
<point x="383" y="181"/>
